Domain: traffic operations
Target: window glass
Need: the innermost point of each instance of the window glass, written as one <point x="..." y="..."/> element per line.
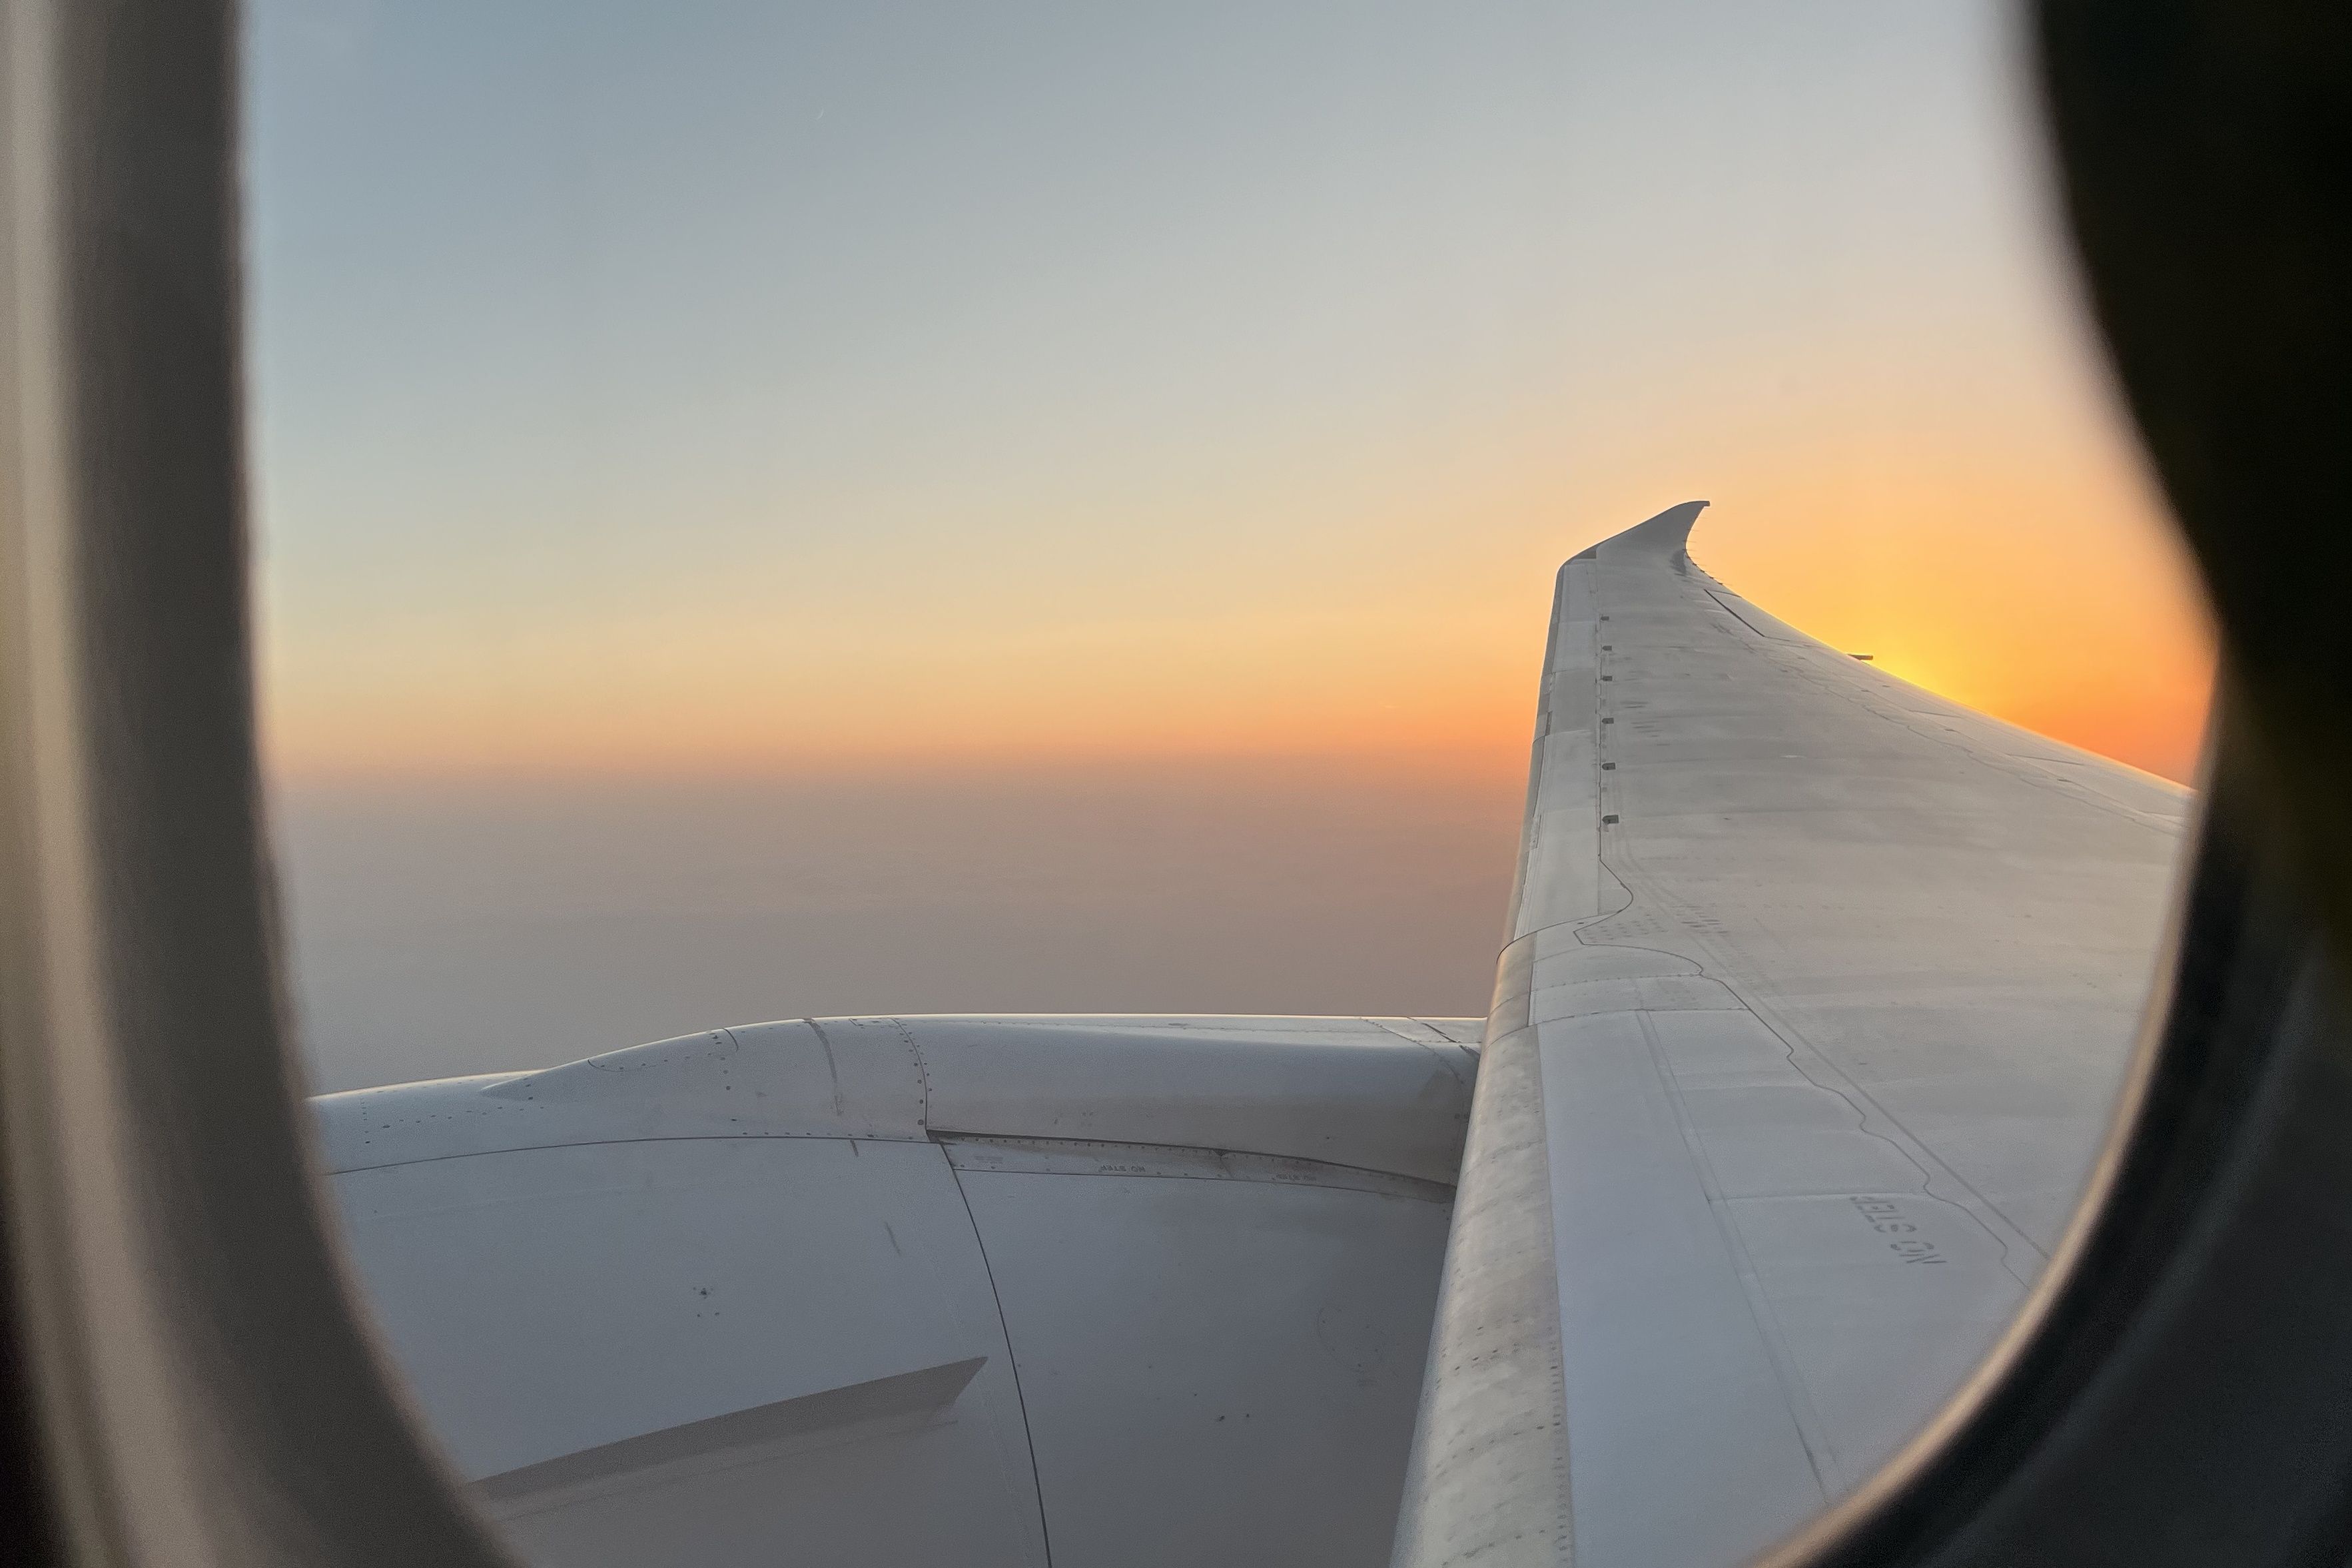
<point x="783" y="512"/>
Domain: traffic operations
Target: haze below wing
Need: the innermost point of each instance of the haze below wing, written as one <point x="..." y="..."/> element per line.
<point x="1818" y="995"/>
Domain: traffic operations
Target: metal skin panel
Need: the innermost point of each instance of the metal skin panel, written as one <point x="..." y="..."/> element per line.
<point x="1217" y="1372"/>
<point x="1806" y="1087"/>
<point x="1332" y="1090"/>
<point x="714" y="1297"/>
<point x="549" y="1303"/>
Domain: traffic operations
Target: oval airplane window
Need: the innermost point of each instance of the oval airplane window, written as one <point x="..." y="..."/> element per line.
<point x="982" y="577"/>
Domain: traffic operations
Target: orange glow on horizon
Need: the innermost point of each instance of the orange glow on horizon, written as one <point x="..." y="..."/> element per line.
<point x="2123" y="671"/>
<point x="2008" y="554"/>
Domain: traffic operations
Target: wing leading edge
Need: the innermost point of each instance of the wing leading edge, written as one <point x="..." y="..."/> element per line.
<point x="1817" y="993"/>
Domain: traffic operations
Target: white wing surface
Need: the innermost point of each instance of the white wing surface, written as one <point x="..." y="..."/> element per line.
<point x="1132" y="1291"/>
<point x="1818" y="995"/>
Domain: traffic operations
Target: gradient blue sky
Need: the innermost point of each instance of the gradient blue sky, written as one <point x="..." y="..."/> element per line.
<point x="683" y="384"/>
<point x="717" y="390"/>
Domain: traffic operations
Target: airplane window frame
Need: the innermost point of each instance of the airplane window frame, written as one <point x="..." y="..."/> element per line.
<point x="184" y="1377"/>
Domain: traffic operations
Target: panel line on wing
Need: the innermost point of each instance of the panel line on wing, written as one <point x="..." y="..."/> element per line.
<point x="844" y="1414"/>
<point x="1095" y="1157"/>
<point x="1871" y="1117"/>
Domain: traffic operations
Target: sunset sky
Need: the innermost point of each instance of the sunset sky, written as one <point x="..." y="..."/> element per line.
<point x="730" y="391"/>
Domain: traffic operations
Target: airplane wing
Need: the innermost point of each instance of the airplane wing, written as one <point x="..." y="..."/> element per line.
<point x="1816" y="995"/>
<point x="1816" y="1003"/>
